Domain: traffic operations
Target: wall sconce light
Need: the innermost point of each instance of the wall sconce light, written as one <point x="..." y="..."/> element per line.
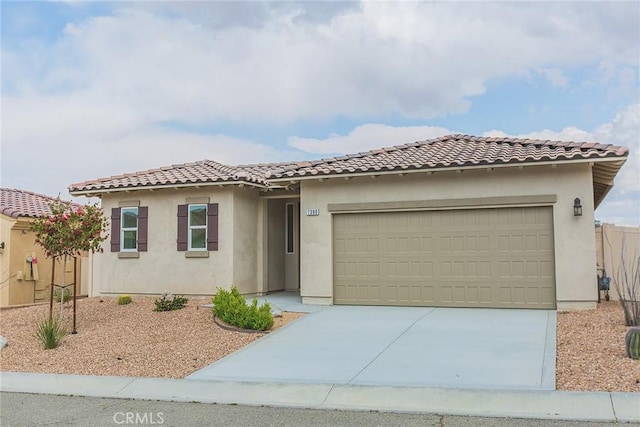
<point x="577" y="207"/>
<point x="1" y="245"/>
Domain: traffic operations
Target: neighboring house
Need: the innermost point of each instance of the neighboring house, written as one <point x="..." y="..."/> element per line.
<point x="456" y="221"/>
<point x="21" y="281"/>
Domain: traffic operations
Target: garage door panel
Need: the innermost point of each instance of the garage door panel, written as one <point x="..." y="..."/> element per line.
<point x="479" y="258"/>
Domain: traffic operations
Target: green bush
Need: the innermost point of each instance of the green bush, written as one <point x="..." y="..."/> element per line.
<point x="124" y="299"/>
<point x="59" y="293"/>
<point x="168" y="302"/>
<point x="232" y="308"/>
<point x="50" y="332"/>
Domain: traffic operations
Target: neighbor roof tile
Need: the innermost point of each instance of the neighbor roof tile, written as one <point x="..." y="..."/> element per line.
<point x="20" y="203"/>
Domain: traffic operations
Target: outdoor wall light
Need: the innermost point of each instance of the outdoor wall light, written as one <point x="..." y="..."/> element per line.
<point x="1" y="245"/>
<point x="577" y="207"/>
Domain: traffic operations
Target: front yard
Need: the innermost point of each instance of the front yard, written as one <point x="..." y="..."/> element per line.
<point x="134" y="340"/>
<point x="123" y="340"/>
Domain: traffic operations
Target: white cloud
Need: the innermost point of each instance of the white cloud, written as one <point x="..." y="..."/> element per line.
<point x="50" y="168"/>
<point x="367" y="137"/>
<point x="418" y="59"/>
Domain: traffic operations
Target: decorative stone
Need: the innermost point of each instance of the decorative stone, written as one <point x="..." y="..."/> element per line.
<point x="3" y="342"/>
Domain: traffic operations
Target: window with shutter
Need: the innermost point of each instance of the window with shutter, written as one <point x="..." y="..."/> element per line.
<point x="129" y="229"/>
<point x="198" y="227"/>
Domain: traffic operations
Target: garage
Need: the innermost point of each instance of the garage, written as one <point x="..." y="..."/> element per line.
<point x="488" y="257"/>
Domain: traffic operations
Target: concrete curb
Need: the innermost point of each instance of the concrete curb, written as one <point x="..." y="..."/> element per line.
<point x="556" y="405"/>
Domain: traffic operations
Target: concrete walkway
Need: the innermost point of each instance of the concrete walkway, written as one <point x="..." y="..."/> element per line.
<point x="401" y="346"/>
<point x="610" y="407"/>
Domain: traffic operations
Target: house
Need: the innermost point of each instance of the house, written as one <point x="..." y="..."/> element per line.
<point x="455" y="221"/>
<point x="25" y="271"/>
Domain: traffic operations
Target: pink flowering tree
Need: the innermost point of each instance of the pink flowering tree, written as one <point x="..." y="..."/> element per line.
<point x="69" y="231"/>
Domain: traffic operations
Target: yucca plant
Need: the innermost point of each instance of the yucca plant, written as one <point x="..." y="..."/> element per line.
<point x="50" y="332"/>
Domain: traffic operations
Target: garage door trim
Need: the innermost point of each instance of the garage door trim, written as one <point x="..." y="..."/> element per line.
<point x="470" y="203"/>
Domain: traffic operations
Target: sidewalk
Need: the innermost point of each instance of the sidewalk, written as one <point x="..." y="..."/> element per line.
<point x="584" y="406"/>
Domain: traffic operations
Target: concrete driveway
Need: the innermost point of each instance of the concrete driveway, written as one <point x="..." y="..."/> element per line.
<point x="402" y="346"/>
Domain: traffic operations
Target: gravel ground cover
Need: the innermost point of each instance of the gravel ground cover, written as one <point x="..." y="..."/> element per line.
<point x="591" y="352"/>
<point x="133" y="340"/>
<point x="123" y="340"/>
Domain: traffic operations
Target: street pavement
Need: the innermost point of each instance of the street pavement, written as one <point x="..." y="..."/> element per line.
<point x="29" y="410"/>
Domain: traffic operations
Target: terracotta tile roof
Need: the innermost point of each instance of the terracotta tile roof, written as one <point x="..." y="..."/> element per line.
<point x="201" y="172"/>
<point x="453" y="151"/>
<point x="450" y="151"/>
<point x="17" y="203"/>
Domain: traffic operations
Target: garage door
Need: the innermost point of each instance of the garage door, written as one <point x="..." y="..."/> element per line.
<point x="450" y="258"/>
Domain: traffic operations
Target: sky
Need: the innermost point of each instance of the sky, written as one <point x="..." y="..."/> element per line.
<point x="93" y="89"/>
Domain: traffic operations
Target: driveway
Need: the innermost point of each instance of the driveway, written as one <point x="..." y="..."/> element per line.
<point x="402" y="346"/>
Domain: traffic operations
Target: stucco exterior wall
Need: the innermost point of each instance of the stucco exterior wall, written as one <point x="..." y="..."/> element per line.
<point x="162" y="268"/>
<point x="5" y="258"/>
<point x="16" y="287"/>
<point x="574" y="237"/>
<point x="245" y="241"/>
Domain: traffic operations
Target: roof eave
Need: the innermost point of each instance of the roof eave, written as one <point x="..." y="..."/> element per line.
<point x="98" y="192"/>
<point x="399" y="171"/>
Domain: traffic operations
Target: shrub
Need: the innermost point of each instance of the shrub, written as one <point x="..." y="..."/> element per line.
<point x="124" y="299"/>
<point x="168" y="302"/>
<point x="232" y="308"/>
<point x="50" y="332"/>
<point x="60" y="293"/>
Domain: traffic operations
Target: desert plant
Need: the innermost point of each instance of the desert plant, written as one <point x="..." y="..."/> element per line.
<point x="632" y="343"/>
<point x="626" y="281"/>
<point x="124" y="299"/>
<point x="168" y="302"/>
<point x="62" y="294"/>
<point x="232" y="308"/>
<point x="50" y="332"/>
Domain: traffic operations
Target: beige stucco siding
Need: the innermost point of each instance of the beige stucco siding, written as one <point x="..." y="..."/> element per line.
<point x="574" y="240"/>
<point x="17" y="286"/>
<point x="162" y="268"/>
<point x="245" y="240"/>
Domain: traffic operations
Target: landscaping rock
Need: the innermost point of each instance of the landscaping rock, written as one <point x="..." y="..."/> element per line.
<point x="3" y="342"/>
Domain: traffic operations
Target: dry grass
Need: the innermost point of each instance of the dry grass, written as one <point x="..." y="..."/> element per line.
<point x="133" y="340"/>
<point x="591" y="353"/>
<point x="123" y="340"/>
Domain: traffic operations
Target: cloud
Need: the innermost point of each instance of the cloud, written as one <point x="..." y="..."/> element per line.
<point x="49" y="168"/>
<point x="367" y="137"/>
<point x="199" y="62"/>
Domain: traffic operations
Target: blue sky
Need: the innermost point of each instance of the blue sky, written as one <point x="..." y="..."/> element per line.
<point x="99" y="89"/>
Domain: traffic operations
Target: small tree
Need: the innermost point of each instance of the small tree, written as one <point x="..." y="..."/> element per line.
<point x="67" y="232"/>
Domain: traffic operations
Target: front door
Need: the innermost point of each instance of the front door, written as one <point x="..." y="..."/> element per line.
<point x="283" y="241"/>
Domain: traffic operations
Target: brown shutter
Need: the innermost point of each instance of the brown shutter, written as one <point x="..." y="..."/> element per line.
<point x="212" y="227"/>
<point x="143" y="214"/>
<point x="183" y="225"/>
<point x="115" y="230"/>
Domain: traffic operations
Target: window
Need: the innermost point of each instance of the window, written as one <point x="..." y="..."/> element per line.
<point x="290" y="230"/>
<point x="129" y="229"/>
<point x="198" y="227"/>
